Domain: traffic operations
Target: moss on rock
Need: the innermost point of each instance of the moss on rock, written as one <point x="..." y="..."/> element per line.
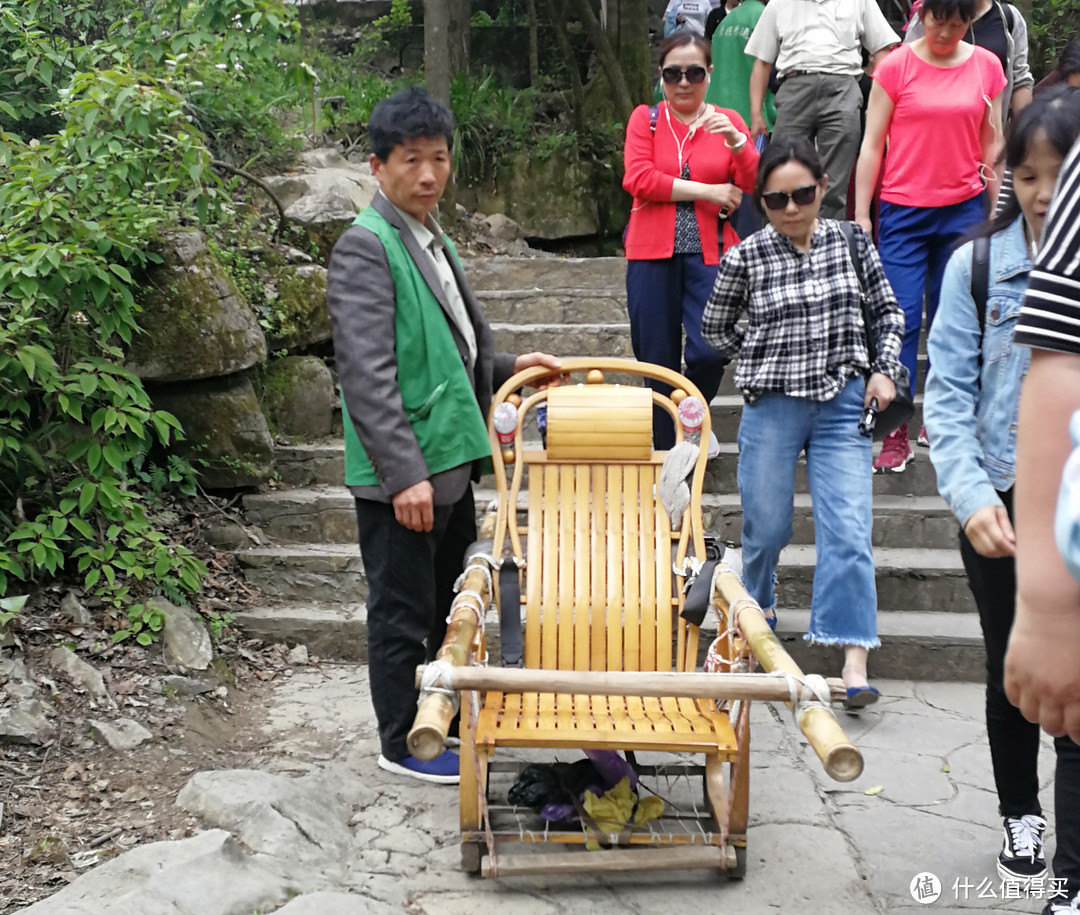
<point x="195" y="323"/>
<point x="298" y="397"/>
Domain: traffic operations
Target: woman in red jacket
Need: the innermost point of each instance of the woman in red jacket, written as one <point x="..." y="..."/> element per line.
<point x="687" y="165"/>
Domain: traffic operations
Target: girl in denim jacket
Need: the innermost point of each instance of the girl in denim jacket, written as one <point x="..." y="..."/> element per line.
<point x="971" y="403"/>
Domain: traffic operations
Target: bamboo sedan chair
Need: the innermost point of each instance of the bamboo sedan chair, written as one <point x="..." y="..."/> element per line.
<point x="608" y="661"/>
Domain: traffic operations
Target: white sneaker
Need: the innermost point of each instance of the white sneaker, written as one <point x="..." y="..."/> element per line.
<point x="714" y="445"/>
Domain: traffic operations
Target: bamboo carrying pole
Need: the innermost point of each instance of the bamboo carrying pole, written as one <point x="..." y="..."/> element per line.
<point x="662" y="684"/>
<point x="427" y="738"/>
<point x="840" y="757"/>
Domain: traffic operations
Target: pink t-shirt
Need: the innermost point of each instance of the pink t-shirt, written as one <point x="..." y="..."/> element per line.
<point x="934" y="150"/>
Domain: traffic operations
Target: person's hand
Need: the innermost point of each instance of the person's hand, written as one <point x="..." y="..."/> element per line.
<point x="718" y="122"/>
<point x="528" y="360"/>
<point x="864" y="221"/>
<point x="758" y="126"/>
<point x="881" y="388"/>
<point x="991" y="533"/>
<point x="726" y="196"/>
<point x="1042" y="667"/>
<point x="414" y="507"/>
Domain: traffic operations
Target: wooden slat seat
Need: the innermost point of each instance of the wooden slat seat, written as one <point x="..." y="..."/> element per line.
<point x="605" y="722"/>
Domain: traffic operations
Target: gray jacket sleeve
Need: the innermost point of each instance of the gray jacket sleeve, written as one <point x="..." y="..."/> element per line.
<point x="362" y="301"/>
<point x="1021" y="72"/>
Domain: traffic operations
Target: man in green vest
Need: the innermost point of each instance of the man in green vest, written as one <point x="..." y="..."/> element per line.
<point x="418" y="367"/>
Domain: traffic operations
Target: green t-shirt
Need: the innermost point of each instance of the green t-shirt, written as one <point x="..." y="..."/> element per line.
<point x="730" y="83"/>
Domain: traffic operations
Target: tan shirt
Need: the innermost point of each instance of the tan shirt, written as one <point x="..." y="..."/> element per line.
<point x="820" y="36"/>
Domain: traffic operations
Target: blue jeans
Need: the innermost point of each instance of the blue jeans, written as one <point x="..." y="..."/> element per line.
<point x="915" y="244"/>
<point x="772" y="434"/>
<point x="663" y="296"/>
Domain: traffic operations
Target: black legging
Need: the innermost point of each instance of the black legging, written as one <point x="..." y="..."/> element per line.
<point x="1014" y="741"/>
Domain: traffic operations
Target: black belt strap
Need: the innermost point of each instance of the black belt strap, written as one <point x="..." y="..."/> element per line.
<point x="510" y="613"/>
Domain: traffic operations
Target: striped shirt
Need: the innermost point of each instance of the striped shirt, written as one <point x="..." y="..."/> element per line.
<point x="1050" y="317"/>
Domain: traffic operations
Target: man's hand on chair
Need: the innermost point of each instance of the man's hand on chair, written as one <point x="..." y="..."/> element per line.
<point x="528" y="360"/>
<point x="414" y="507"/>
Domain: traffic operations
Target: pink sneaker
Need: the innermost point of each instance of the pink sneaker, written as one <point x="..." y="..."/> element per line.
<point x="895" y="452"/>
<point x="923" y="438"/>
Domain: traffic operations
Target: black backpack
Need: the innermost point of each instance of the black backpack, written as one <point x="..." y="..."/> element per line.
<point x="980" y="284"/>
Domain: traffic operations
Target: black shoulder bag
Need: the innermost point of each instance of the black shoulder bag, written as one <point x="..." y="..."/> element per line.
<point x="902" y="408"/>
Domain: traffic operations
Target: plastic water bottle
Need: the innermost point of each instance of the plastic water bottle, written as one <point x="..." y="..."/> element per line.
<point x="691" y="415"/>
<point x="505" y="421"/>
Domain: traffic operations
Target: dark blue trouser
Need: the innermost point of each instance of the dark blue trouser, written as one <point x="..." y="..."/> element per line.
<point x="915" y="244"/>
<point x="664" y="296"/>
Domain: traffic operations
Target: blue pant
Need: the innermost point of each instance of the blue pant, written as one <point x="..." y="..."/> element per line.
<point x="663" y="297"/>
<point x="772" y="434"/>
<point x="915" y="244"/>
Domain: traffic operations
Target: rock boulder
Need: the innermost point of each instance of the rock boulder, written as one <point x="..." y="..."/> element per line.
<point x="324" y="194"/>
<point x="225" y="431"/>
<point x="196" y="323"/>
<point x="299" y="397"/>
<point x="300" y="316"/>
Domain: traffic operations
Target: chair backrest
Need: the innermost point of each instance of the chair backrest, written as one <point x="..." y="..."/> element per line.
<point x="599" y="589"/>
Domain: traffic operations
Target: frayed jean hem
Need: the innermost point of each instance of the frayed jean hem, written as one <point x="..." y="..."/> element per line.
<point x="846" y="643"/>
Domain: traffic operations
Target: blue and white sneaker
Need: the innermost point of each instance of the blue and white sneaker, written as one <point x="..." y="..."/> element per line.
<point x="443" y="770"/>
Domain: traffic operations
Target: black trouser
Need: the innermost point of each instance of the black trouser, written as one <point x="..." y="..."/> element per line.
<point x="410" y="579"/>
<point x="1014" y="741"/>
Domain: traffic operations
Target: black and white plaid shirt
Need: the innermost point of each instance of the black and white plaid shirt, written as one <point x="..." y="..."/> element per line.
<point x="804" y="336"/>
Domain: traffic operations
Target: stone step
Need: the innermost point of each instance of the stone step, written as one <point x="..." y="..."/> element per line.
<point x="918" y="479"/>
<point x="556" y="306"/>
<point x="914" y="646"/>
<point x="325" y="514"/>
<point x="546" y="273"/>
<point x="324" y="572"/>
<point x="324" y="462"/>
<point x="565" y="339"/>
<point x="907" y="579"/>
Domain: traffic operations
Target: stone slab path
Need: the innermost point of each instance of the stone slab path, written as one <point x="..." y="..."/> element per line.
<point x="318" y="829"/>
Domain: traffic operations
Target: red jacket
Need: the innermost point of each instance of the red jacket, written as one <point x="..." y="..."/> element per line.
<point x="651" y="163"/>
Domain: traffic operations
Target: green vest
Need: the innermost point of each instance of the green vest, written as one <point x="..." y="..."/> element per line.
<point x="730" y="83"/>
<point x="435" y="388"/>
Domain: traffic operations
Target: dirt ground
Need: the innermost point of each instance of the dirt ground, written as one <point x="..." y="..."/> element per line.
<point x="76" y="802"/>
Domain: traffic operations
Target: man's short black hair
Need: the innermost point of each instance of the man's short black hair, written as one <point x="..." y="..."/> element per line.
<point x="410" y="114"/>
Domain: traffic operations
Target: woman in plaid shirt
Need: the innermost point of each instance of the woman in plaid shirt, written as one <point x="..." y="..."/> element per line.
<point x="805" y="376"/>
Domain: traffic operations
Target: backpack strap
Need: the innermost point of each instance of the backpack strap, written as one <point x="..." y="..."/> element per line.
<point x="980" y="286"/>
<point x="980" y="279"/>
<point x="848" y="230"/>
<point x="1008" y="14"/>
<point x="654" y="116"/>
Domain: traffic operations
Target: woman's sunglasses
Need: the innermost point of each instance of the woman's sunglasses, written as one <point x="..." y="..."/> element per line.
<point x="778" y="200"/>
<point x="695" y="74"/>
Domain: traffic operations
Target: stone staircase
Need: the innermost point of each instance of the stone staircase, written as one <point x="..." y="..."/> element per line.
<point x="313" y="572"/>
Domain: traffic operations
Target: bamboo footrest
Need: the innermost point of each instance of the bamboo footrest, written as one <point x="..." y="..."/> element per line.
<point x="615" y="860"/>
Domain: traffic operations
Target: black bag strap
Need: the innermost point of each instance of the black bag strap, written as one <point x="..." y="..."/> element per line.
<point x="1007" y="14"/>
<point x="510" y="613"/>
<point x="980" y="287"/>
<point x="980" y="280"/>
<point x="849" y="236"/>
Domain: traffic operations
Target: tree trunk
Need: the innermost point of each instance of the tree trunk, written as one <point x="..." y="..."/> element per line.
<point x="556" y="10"/>
<point x="437" y="49"/>
<point x="460" y="20"/>
<point x="534" y="45"/>
<point x="606" y="55"/>
<point x="628" y="29"/>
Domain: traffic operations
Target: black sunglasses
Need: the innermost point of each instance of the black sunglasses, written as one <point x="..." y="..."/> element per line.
<point x="694" y="74"/>
<point x="778" y="200"/>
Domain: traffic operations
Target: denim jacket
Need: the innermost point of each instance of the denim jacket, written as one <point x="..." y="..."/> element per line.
<point x="971" y="415"/>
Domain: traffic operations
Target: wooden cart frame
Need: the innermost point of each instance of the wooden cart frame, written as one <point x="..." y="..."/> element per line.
<point x="608" y="660"/>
